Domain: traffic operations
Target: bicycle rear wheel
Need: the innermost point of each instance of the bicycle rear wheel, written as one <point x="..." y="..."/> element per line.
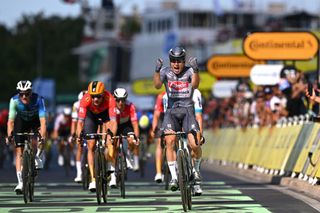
<point x="98" y="175"/>
<point x="25" y="176"/>
<point x="182" y="178"/>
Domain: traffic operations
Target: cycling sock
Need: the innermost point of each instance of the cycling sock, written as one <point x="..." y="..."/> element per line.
<point x="19" y="176"/>
<point x="111" y="168"/>
<point x="197" y="162"/>
<point x="39" y="152"/>
<point x="136" y="159"/>
<point x="172" y="168"/>
<point x="78" y="166"/>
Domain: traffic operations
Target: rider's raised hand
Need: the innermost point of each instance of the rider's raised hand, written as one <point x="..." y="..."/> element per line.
<point x="159" y="64"/>
<point x="194" y="64"/>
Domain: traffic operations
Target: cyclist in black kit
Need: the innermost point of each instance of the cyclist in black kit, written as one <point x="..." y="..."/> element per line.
<point x="180" y="82"/>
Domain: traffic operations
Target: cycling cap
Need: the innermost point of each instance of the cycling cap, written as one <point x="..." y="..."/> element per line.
<point x="67" y="111"/>
<point x="177" y="53"/>
<point x="120" y="93"/>
<point x="24" y="85"/>
<point x="81" y="94"/>
<point x="96" y="88"/>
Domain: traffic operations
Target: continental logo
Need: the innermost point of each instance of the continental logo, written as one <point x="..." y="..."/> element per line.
<point x="231" y="65"/>
<point x="280" y="45"/>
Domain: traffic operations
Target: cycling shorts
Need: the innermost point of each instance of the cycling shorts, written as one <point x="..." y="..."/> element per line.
<point x="125" y="128"/>
<point x="180" y="118"/>
<point x="92" y="122"/>
<point x="159" y="125"/>
<point x="21" y="126"/>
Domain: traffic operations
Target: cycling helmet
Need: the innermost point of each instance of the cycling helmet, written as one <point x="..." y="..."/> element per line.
<point x="24" y="85"/>
<point x="67" y="111"/>
<point x="120" y="93"/>
<point x="81" y="94"/>
<point x="96" y="88"/>
<point x="177" y="53"/>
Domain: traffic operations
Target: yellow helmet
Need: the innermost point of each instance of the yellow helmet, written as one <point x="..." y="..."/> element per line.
<point x="96" y="88"/>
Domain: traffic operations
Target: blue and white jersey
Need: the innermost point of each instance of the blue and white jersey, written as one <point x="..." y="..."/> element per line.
<point x="196" y="98"/>
<point x="36" y="108"/>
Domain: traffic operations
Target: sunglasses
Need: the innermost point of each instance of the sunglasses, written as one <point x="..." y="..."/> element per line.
<point x="26" y="94"/>
<point x="96" y="96"/>
<point x="120" y="99"/>
<point x="176" y="61"/>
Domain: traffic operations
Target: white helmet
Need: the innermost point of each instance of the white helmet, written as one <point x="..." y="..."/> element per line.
<point x="24" y="85"/>
<point x="120" y="93"/>
<point x="81" y="94"/>
<point x="67" y="111"/>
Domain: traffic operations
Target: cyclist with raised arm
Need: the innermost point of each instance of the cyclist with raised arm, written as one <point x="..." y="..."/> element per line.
<point x="98" y="105"/>
<point x="127" y="123"/>
<point x="74" y="116"/>
<point x="27" y="113"/>
<point x="180" y="82"/>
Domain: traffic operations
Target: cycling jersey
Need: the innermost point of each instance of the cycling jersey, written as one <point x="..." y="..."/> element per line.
<point x="108" y="104"/>
<point x="178" y="87"/>
<point x="127" y="114"/>
<point x="159" y="105"/>
<point x="62" y="124"/>
<point x="196" y="97"/>
<point x="34" y="110"/>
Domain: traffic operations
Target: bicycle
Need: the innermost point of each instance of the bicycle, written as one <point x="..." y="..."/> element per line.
<point x="29" y="171"/>
<point x="121" y="164"/>
<point x="184" y="168"/>
<point x="100" y="167"/>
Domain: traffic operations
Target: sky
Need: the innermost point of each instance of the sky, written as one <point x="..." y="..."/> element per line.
<point x="12" y="10"/>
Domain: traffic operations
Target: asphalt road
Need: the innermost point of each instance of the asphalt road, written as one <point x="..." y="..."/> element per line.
<point x="55" y="192"/>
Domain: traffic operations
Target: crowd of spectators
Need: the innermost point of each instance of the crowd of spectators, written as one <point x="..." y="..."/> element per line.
<point x="252" y="105"/>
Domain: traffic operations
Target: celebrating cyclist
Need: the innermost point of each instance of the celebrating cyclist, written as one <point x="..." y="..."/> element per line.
<point x="96" y="106"/>
<point x="127" y="123"/>
<point x="180" y="82"/>
<point x="74" y="116"/>
<point x="26" y="113"/>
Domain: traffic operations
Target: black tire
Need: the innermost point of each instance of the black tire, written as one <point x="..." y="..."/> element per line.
<point x="122" y="168"/>
<point x="104" y="180"/>
<point x="85" y="171"/>
<point x="66" y="158"/>
<point x="181" y="179"/>
<point x="25" y="176"/>
<point x="165" y="170"/>
<point x="32" y="172"/>
<point x="98" y="175"/>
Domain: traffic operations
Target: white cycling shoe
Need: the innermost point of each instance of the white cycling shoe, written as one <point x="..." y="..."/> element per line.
<point x="158" y="178"/>
<point x="197" y="190"/>
<point x="78" y="179"/>
<point x="18" y="188"/>
<point x="38" y="162"/>
<point x="113" y="181"/>
<point x="92" y="186"/>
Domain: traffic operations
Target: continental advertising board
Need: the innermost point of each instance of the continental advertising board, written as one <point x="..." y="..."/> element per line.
<point x="280" y="45"/>
<point x="231" y="66"/>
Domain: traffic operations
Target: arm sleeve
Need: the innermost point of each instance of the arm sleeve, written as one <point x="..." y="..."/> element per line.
<point x="112" y="109"/>
<point x="197" y="99"/>
<point x="12" y="110"/>
<point x="163" y="74"/>
<point x="74" y="114"/>
<point x="42" y="108"/>
<point x="83" y="108"/>
<point x="133" y="114"/>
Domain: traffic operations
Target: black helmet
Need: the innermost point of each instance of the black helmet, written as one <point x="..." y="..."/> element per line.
<point x="177" y="53"/>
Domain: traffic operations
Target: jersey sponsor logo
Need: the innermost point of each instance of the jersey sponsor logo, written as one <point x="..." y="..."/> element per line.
<point x="178" y="85"/>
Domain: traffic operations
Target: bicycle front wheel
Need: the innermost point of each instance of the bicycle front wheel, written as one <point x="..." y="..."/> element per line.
<point x="104" y="179"/>
<point x="98" y="175"/>
<point x="25" y="175"/>
<point x="122" y="167"/>
<point x="32" y="172"/>
<point x="182" y="179"/>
